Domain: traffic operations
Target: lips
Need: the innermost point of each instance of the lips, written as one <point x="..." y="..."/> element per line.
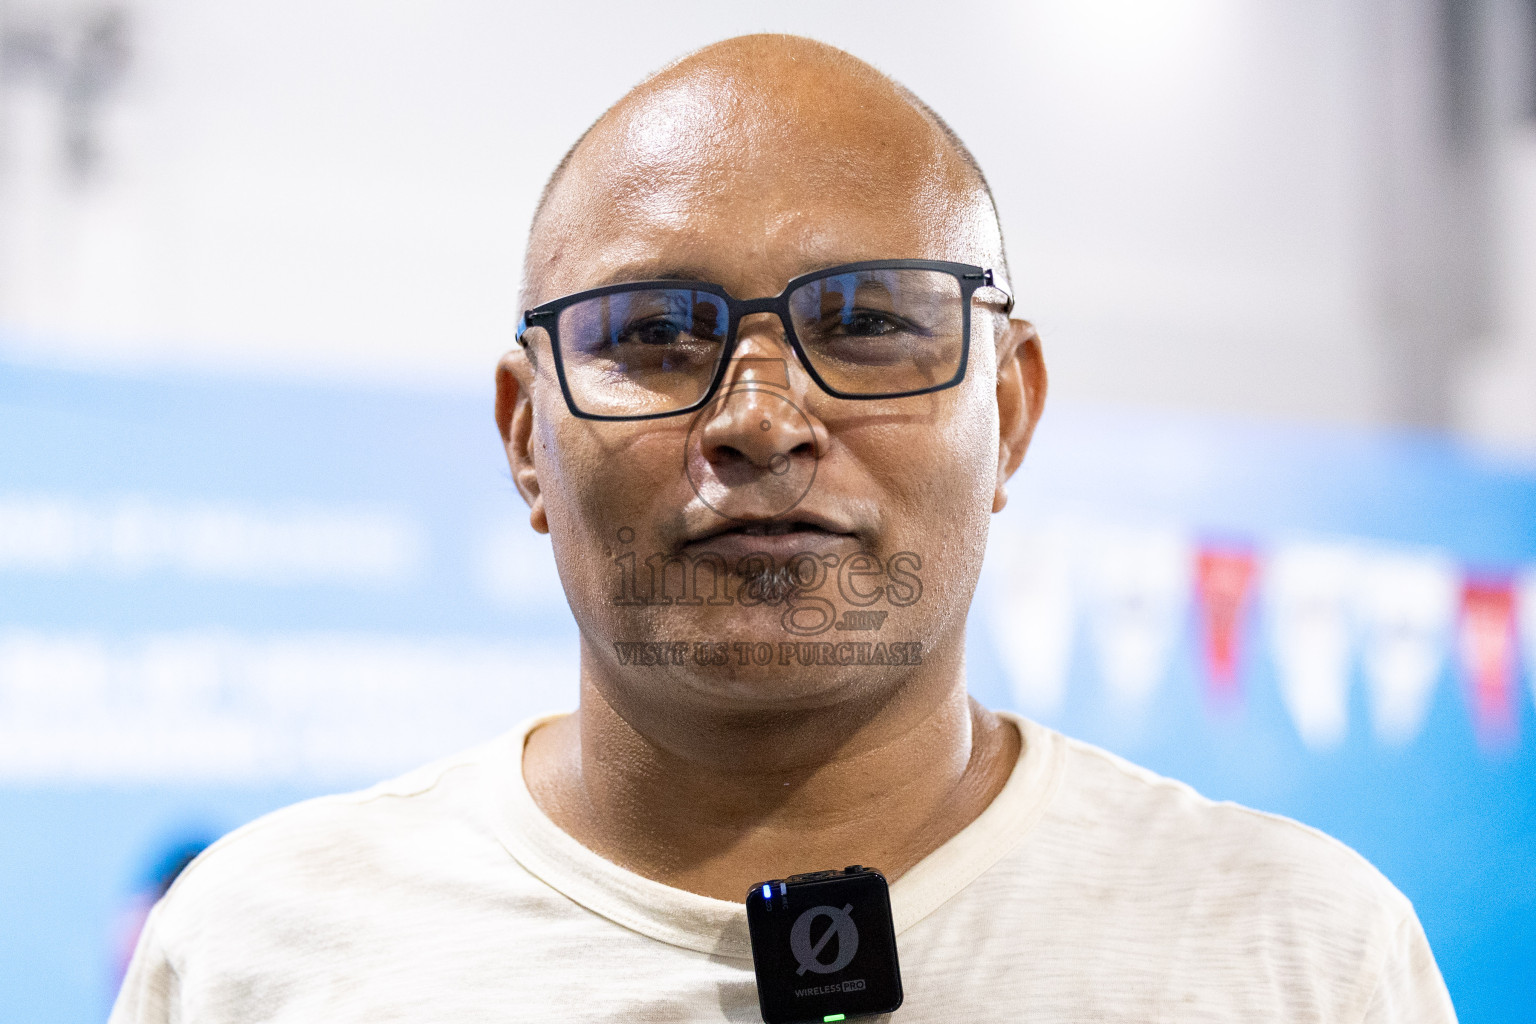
<point x="800" y="523"/>
<point x="775" y="528"/>
<point x="780" y="538"/>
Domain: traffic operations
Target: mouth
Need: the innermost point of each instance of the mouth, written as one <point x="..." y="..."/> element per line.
<point x="776" y="528"/>
<point x="802" y="527"/>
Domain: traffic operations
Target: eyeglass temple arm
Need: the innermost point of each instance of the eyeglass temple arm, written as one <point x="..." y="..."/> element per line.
<point x="989" y="281"/>
<point x="523" y="324"/>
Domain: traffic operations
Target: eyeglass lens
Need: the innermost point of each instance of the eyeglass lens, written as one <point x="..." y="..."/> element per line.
<point x="865" y="332"/>
<point x="875" y="332"/>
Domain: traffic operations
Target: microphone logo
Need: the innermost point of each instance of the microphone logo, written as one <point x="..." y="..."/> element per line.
<point x="808" y="953"/>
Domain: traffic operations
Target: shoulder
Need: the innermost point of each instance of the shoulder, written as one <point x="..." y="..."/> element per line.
<point x="360" y="892"/>
<point x="1178" y="906"/>
<point x="328" y="851"/>
<point x="1224" y="905"/>
<point x="1165" y="825"/>
<point x="1166" y="844"/>
<point x="1174" y="816"/>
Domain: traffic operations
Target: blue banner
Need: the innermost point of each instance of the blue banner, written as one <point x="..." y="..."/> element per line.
<point x="219" y="596"/>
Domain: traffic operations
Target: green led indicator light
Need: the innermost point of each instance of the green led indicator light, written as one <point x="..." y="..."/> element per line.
<point x="833" y="1016"/>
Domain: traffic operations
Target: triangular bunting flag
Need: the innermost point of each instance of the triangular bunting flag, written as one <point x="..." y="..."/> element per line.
<point x="1032" y="616"/>
<point x="1137" y="584"/>
<point x="1308" y="595"/>
<point x="1526" y="598"/>
<point x="1224" y="579"/>
<point x="1488" y="657"/>
<point x="1406" y="605"/>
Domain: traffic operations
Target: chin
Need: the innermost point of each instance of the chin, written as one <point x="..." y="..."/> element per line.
<point x="752" y="692"/>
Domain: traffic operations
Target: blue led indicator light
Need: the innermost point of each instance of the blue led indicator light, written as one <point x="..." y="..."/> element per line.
<point x="767" y="891"/>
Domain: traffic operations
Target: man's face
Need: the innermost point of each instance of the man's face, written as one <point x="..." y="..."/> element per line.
<point x="823" y="512"/>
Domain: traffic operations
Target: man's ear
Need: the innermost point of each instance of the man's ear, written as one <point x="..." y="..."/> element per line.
<point x="514" y="418"/>
<point x="1021" y="387"/>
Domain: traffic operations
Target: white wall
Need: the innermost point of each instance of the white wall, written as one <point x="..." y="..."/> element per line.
<point x="339" y="188"/>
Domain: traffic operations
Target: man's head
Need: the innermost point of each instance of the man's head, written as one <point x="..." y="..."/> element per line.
<point x="747" y="164"/>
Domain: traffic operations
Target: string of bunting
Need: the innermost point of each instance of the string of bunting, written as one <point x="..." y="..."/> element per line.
<point x="1318" y="609"/>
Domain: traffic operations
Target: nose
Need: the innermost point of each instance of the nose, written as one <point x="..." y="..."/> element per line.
<point x="756" y="420"/>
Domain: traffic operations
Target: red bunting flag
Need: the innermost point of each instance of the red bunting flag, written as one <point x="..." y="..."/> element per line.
<point x="1224" y="578"/>
<point x="1488" y="657"/>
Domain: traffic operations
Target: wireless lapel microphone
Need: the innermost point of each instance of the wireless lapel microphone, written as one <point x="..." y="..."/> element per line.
<point x="823" y="946"/>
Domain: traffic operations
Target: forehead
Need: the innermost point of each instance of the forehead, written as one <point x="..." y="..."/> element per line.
<point x="751" y="183"/>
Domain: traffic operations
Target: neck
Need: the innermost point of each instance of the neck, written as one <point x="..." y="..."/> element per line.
<point x="716" y="803"/>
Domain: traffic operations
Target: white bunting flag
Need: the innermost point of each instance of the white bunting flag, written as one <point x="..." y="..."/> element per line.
<point x="1137" y="586"/>
<point x="1308" y="591"/>
<point x="1032" y="616"/>
<point x="1407" y="605"/>
<point x="1526" y="596"/>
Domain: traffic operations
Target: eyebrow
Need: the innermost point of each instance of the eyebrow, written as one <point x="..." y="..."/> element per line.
<point x="632" y="272"/>
<point x="641" y="270"/>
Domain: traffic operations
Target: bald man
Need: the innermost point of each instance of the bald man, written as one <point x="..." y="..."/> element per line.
<point x="765" y="397"/>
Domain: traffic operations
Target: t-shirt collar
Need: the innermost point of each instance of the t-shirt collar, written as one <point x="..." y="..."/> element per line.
<point x="719" y="927"/>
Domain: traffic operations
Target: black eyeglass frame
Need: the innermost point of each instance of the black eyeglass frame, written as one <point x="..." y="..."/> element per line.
<point x="971" y="277"/>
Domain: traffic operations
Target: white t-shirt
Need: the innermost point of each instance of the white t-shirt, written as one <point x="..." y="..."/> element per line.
<point x="1090" y="890"/>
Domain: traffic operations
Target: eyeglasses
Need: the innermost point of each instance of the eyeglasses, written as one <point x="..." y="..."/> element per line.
<point x="880" y="329"/>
